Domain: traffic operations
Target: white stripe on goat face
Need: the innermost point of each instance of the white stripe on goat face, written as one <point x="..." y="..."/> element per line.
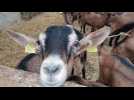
<point x="53" y="72"/>
<point x="72" y="37"/>
<point x="42" y="38"/>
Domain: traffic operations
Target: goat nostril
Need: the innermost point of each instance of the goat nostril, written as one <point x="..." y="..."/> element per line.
<point x="51" y="70"/>
<point x="56" y="70"/>
<point x="46" y="70"/>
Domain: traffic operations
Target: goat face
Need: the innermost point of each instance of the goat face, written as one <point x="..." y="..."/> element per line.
<point x="56" y="45"/>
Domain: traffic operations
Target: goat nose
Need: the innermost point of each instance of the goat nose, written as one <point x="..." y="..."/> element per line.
<point x="52" y="69"/>
<point x="55" y="69"/>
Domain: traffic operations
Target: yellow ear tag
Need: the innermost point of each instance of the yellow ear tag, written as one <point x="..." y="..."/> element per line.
<point x="92" y="49"/>
<point x="30" y="48"/>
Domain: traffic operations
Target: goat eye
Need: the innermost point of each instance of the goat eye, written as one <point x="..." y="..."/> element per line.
<point x="39" y="46"/>
<point x="76" y="44"/>
<point x="75" y="47"/>
<point x="39" y="50"/>
<point x="38" y="42"/>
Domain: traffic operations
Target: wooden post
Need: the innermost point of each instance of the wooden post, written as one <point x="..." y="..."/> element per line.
<point x="10" y="77"/>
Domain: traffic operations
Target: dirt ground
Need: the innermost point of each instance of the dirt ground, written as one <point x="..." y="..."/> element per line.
<point x="11" y="53"/>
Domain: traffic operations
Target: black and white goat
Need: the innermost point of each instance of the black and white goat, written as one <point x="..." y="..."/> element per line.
<point x="61" y="52"/>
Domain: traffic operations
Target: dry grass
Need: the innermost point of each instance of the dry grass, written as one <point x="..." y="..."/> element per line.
<point x="11" y="53"/>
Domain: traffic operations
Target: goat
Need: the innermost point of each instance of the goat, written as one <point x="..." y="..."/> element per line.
<point x="99" y="19"/>
<point x="93" y="19"/>
<point x="60" y="49"/>
<point x="125" y="46"/>
<point x="115" y="70"/>
<point x="116" y="66"/>
<point x="118" y="21"/>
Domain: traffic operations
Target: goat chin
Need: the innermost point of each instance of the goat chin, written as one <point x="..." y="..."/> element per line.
<point x="44" y="84"/>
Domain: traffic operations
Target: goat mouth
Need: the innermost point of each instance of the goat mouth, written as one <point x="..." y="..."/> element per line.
<point x="52" y="84"/>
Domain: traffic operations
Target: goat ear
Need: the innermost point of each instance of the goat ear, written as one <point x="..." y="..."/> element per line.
<point x="97" y="37"/>
<point x="92" y="39"/>
<point x="20" y="38"/>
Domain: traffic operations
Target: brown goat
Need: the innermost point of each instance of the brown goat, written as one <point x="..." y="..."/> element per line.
<point x="116" y="66"/>
<point x="93" y="19"/>
<point x="97" y="20"/>
<point x="119" y="20"/>
<point x="125" y="46"/>
<point x="115" y="71"/>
